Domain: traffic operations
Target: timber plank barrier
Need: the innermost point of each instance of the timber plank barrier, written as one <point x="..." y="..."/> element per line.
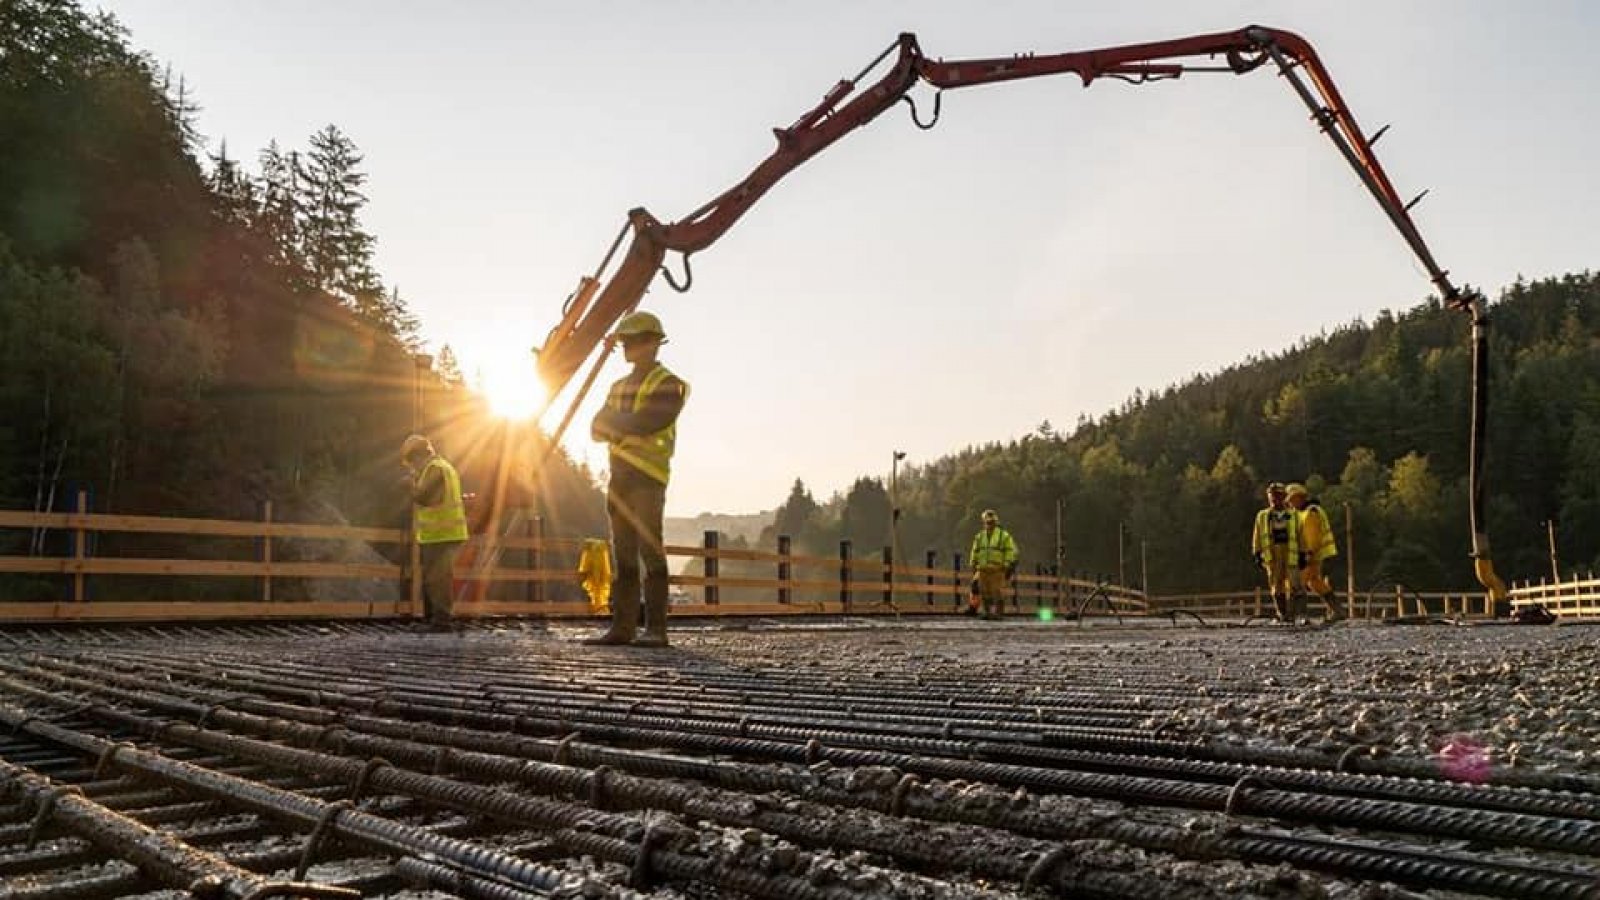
<point x="1376" y="605"/>
<point x="1574" y="599"/>
<point x="527" y="574"/>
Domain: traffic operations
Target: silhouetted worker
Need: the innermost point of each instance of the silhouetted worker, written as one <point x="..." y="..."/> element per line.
<point x="639" y="423"/>
<point x="440" y="524"/>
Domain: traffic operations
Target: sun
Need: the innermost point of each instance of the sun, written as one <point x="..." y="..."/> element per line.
<point x="512" y="387"/>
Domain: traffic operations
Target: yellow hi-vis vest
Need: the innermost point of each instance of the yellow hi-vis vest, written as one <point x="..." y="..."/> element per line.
<point x="445" y="521"/>
<point x="649" y="453"/>
<point x="1276" y="526"/>
<point x="993" y="551"/>
<point x="1316" y="533"/>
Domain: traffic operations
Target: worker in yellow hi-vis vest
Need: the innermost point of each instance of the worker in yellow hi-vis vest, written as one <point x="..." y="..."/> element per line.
<point x="440" y="521"/>
<point x="594" y="568"/>
<point x="994" y="562"/>
<point x="1316" y="545"/>
<point x="639" y="423"/>
<point x="1275" y="546"/>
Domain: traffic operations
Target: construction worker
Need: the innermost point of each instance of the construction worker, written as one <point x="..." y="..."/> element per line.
<point x="1275" y="546"/>
<point x="639" y="423"/>
<point x="1316" y="545"/>
<point x="994" y="558"/>
<point x="439" y="520"/>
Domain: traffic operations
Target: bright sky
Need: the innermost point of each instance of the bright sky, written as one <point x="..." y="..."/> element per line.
<point x="1040" y="254"/>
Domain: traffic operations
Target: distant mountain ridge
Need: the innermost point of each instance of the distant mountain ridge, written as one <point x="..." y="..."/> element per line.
<point x="746" y="527"/>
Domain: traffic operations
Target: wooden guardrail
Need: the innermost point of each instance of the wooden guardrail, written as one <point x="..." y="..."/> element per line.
<point x="1375" y="605"/>
<point x="847" y="584"/>
<point x="1578" y="598"/>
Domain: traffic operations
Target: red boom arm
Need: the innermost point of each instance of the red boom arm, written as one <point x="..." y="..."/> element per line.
<point x="587" y="318"/>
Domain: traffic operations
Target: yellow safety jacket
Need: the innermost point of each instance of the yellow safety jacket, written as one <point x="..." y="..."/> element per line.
<point x="1316" y="533"/>
<point x="649" y="453"/>
<point x="993" y="550"/>
<point x="445" y="521"/>
<point x="1276" y="526"/>
<point x="594" y="568"/>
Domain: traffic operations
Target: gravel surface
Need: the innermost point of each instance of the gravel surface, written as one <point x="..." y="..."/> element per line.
<point x="1473" y="705"/>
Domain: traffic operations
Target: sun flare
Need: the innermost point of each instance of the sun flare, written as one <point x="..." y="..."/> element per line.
<point x="512" y="387"/>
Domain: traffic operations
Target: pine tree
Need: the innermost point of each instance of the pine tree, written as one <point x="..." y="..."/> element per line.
<point x="448" y="368"/>
<point x="336" y="250"/>
<point x="279" y="217"/>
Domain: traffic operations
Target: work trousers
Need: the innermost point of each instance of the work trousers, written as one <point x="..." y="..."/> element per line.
<point x="635" y="504"/>
<point x="438" y="579"/>
<point x="1280" y="569"/>
<point x="992" y="585"/>
<point x="1312" y="580"/>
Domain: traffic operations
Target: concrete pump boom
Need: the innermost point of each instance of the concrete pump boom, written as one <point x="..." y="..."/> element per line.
<point x="594" y="307"/>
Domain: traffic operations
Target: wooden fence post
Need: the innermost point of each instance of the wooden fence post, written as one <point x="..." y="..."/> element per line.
<point x="888" y="576"/>
<point x="536" y="555"/>
<point x="712" y="567"/>
<point x="955" y="572"/>
<point x="80" y="550"/>
<point x="785" y="570"/>
<point x="414" y="552"/>
<point x="266" y="551"/>
<point x="844" y="575"/>
<point x="932" y="560"/>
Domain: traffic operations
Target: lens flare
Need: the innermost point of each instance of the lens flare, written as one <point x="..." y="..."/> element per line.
<point x="512" y="388"/>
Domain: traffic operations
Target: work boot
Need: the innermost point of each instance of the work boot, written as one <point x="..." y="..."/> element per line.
<point x="624" y="621"/>
<point x="1336" y="610"/>
<point x="655" y="624"/>
<point x="1280" y="609"/>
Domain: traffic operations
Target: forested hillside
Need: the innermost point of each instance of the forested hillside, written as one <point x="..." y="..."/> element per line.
<point x="1373" y="415"/>
<point x="190" y="330"/>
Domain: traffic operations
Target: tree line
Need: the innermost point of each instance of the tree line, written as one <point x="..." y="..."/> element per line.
<point x="184" y="333"/>
<point x="1373" y="415"/>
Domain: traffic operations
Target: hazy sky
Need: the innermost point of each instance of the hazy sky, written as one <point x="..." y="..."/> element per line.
<point x="1040" y="254"/>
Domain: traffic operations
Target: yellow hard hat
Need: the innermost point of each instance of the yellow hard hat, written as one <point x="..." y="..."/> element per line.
<point x="414" y="443"/>
<point x="990" y="515"/>
<point x="1298" y="490"/>
<point x="639" y="323"/>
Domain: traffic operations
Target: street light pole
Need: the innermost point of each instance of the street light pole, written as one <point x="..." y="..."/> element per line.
<point x="894" y="518"/>
<point x="1144" y="568"/>
<point x="422" y="363"/>
<point x="1122" y="578"/>
<point x="1555" y="566"/>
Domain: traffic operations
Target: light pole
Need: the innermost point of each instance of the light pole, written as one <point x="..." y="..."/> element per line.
<point x="423" y="362"/>
<point x="1144" y="568"/>
<point x="1122" y="578"/>
<point x="1555" y="566"/>
<point x="894" y="518"/>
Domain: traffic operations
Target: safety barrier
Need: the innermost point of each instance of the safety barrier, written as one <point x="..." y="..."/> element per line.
<point x="797" y="584"/>
<point x="1578" y="598"/>
<point x="1393" y="603"/>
